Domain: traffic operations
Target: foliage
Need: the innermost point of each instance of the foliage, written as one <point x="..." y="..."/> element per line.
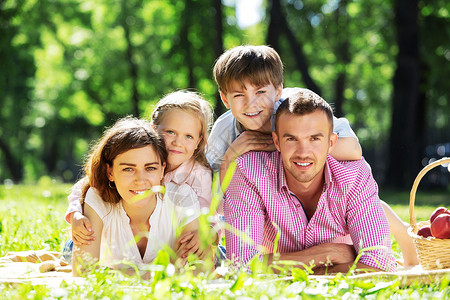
<point x="70" y="68"/>
<point x="32" y="218"/>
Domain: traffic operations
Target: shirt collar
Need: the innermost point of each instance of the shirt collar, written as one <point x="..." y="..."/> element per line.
<point x="238" y="128"/>
<point x="180" y="174"/>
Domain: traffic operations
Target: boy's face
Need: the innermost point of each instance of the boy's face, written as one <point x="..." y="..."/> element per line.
<point x="252" y="106"/>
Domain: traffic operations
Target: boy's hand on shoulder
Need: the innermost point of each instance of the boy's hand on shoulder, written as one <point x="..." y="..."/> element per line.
<point x="249" y="141"/>
<point x="81" y="229"/>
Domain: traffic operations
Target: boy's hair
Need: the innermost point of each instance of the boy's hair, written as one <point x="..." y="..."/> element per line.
<point x="190" y="102"/>
<point x="126" y="134"/>
<point x="260" y="65"/>
<point x="304" y="102"/>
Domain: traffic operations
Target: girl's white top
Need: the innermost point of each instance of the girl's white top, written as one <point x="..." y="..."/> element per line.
<point x="178" y="207"/>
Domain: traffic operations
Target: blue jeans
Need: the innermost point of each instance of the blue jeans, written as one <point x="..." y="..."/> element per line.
<point x="67" y="251"/>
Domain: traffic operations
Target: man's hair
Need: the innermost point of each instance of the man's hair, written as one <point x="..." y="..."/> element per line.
<point x="303" y="102"/>
<point x="260" y="65"/>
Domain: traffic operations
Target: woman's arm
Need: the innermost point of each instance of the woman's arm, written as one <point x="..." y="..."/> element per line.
<point x="84" y="253"/>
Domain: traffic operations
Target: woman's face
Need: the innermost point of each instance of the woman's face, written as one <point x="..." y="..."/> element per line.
<point x="136" y="171"/>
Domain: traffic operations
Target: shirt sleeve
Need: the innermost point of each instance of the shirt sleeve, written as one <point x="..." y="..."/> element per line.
<point x="342" y="128"/>
<point x="94" y="200"/>
<point x="74" y="200"/>
<point x="216" y="148"/>
<point x="244" y="219"/>
<point x="202" y="187"/>
<point x="367" y="223"/>
<point x="185" y="202"/>
<point x="221" y="136"/>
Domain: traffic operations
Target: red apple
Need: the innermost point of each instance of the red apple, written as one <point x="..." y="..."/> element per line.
<point x="437" y="212"/>
<point x="440" y="228"/>
<point x="425" y="231"/>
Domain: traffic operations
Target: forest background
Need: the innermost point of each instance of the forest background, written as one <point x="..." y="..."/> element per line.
<point x="70" y="68"/>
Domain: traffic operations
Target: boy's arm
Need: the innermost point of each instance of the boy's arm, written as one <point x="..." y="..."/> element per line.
<point x="347" y="148"/>
<point x="245" y="142"/>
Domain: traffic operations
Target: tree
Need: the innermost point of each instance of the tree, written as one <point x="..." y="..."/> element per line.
<point x="404" y="159"/>
<point x="279" y="25"/>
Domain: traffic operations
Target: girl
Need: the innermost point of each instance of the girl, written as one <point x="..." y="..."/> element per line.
<point x="182" y="118"/>
<point x="131" y="221"/>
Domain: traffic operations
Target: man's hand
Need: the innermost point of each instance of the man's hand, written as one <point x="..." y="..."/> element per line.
<point x="81" y="229"/>
<point x="322" y="255"/>
<point x="247" y="141"/>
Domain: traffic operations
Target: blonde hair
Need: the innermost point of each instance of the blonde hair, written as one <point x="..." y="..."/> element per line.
<point x="261" y="65"/>
<point x="126" y="134"/>
<point x="190" y="102"/>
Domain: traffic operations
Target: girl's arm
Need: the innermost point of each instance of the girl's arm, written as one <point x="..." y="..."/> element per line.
<point x="88" y="254"/>
<point x="188" y="241"/>
<point x="81" y="226"/>
<point x="347" y="148"/>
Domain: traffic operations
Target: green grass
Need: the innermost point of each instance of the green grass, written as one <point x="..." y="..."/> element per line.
<point x="32" y="217"/>
<point x="425" y="202"/>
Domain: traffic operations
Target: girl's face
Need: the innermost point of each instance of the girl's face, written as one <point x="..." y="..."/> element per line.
<point x="181" y="131"/>
<point x="136" y="171"/>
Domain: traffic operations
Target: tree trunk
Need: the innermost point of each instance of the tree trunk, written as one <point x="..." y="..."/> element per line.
<point x="342" y="55"/>
<point x="186" y="44"/>
<point x="14" y="165"/>
<point x="219" y="109"/>
<point x="404" y="156"/>
<point x="278" y="25"/>
<point x="133" y="68"/>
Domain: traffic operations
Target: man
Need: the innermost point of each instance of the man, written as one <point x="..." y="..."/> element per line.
<point x="318" y="205"/>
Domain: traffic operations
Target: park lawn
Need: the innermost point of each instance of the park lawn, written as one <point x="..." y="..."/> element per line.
<point x="32" y="218"/>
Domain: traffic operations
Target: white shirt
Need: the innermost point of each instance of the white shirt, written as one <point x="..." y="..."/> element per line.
<point x="117" y="239"/>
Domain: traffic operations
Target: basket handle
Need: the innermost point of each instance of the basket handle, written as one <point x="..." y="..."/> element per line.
<point x="412" y="217"/>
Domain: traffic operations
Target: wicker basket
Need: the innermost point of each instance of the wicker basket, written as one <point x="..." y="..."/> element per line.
<point x="433" y="253"/>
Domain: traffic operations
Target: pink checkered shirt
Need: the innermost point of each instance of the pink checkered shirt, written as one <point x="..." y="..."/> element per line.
<point x="258" y="197"/>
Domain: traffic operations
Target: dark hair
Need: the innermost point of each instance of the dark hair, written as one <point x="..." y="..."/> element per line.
<point x="126" y="134"/>
<point x="302" y="102"/>
<point x="261" y="65"/>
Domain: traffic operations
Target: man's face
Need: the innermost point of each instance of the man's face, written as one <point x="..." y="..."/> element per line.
<point x="304" y="142"/>
<point x="252" y="106"/>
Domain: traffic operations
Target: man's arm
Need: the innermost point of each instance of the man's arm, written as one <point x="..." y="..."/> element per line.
<point x="367" y="223"/>
<point x="244" y="218"/>
<point x="326" y="258"/>
<point x="347" y="148"/>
